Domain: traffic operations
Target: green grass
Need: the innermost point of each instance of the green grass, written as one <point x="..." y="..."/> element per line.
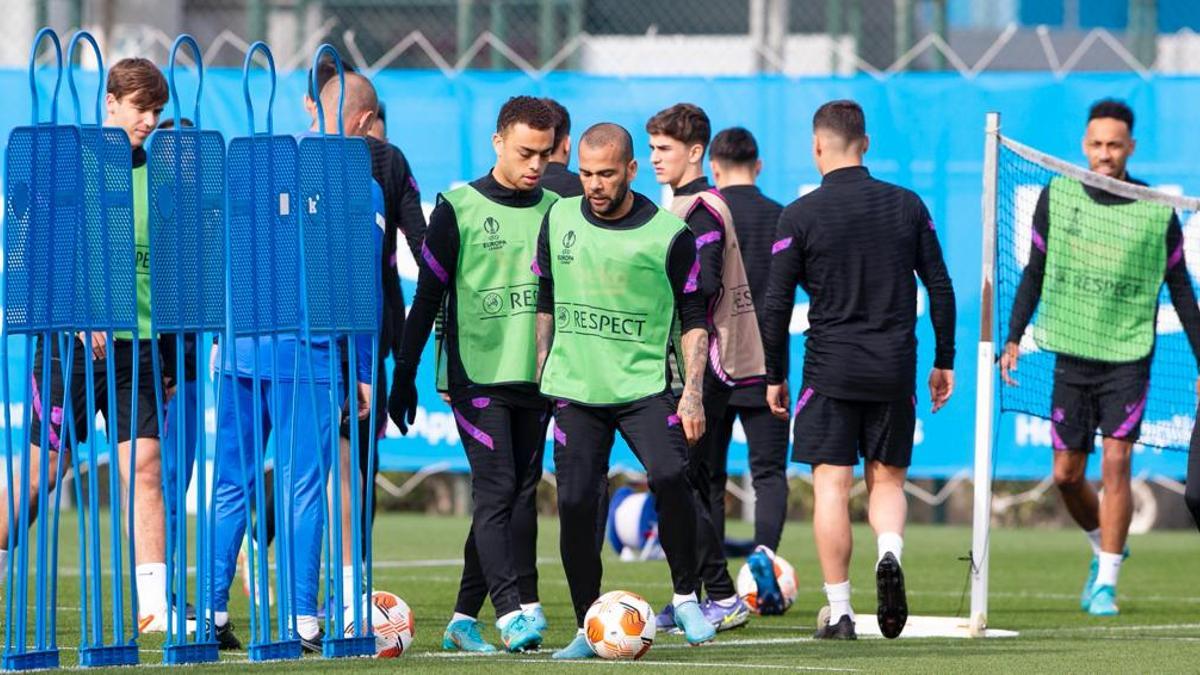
<point x="1036" y="577"/>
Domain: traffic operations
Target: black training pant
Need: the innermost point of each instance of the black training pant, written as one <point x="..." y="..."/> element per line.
<point x="1191" y="493"/>
<point x="767" y="437"/>
<point x="505" y="444"/>
<point x="714" y="570"/>
<point x="582" y="445"/>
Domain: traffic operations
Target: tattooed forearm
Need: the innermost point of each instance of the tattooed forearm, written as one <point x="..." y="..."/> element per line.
<point x="545" y="338"/>
<point x="695" y="353"/>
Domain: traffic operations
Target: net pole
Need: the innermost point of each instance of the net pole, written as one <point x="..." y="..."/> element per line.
<point x="985" y="387"/>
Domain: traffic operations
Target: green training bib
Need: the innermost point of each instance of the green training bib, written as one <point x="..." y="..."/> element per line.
<point x="141" y="241"/>
<point x="614" y="308"/>
<point x="495" y="289"/>
<point x="1104" y="270"/>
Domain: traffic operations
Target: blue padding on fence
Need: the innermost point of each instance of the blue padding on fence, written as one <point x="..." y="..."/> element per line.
<point x="926" y="133"/>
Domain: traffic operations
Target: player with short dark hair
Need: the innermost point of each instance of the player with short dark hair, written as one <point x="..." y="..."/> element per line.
<point x="733" y="158"/>
<point x="558" y="178"/>
<point x="1103" y="345"/>
<point x="615" y="278"/>
<point x="475" y="268"/>
<point x="853" y="245"/>
<point x="679" y="136"/>
<point x="136" y="92"/>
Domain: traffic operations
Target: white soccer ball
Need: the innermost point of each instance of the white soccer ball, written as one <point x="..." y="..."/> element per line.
<point x="620" y="625"/>
<point x="392" y="622"/>
<point x="785" y="576"/>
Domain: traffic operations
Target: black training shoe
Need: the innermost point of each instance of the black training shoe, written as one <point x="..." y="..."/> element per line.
<point x="226" y="640"/>
<point x="315" y="645"/>
<point x="893" y="605"/>
<point x="842" y="630"/>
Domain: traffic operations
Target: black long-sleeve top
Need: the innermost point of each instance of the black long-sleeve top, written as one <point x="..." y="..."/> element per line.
<point x="440" y="251"/>
<point x="402" y="214"/>
<point x="754" y="219"/>
<point x="561" y="181"/>
<point x="853" y="245"/>
<point x="711" y="250"/>
<point x="1029" y="292"/>
<point x="680" y="261"/>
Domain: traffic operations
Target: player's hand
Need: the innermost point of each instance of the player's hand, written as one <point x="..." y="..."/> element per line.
<point x="99" y="344"/>
<point x="779" y="399"/>
<point x="402" y="400"/>
<point x="941" y="385"/>
<point x="1008" y="363"/>
<point x="364" y="400"/>
<point x="691" y="415"/>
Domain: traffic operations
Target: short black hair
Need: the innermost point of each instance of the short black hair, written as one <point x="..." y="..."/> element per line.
<point x="169" y="123"/>
<point x="609" y="133"/>
<point x="844" y="118"/>
<point x="527" y="110"/>
<point x="735" y="146"/>
<point x="1111" y="108"/>
<point x="326" y="71"/>
<point x="563" y="128"/>
<point x="685" y="122"/>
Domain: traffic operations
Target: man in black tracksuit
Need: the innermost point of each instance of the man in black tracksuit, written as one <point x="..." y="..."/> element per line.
<point x="558" y="178"/>
<point x="733" y="157"/>
<point x="853" y="245"/>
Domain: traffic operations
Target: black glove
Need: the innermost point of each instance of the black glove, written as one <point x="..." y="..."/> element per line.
<point x="402" y="400"/>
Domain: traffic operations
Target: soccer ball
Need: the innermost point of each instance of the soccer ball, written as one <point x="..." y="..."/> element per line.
<point x="620" y="625"/>
<point x="785" y="576"/>
<point x="392" y="622"/>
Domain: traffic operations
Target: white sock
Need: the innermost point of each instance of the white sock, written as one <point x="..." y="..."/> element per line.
<point x="678" y="599"/>
<point x="1094" y="538"/>
<point x="727" y="602"/>
<point x="461" y="617"/>
<point x="502" y="621"/>
<point x="525" y="606"/>
<point x="151" y="588"/>
<point x="220" y="619"/>
<point x="348" y="574"/>
<point x="308" y="626"/>
<point x="1110" y="567"/>
<point x="839" y="601"/>
<point x="890" y="542"/>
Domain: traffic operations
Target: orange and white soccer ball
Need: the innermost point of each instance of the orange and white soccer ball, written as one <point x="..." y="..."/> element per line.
<point x="620" y="626"/>
<point x="785" y="576"/>
<point x="392" y="621"/>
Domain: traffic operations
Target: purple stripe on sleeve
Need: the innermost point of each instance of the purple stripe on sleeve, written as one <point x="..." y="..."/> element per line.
<point x="535" y="268"/>
<point x="434" y="265"/>
<point x="781" y="245"/>
<point x="672" y="420"/>
<point x="693" y="278"/>
<point x="1037" y="239"/>
<point x="560" y="436"/>
<point x="708" y="238"/>
<point x="474" y="431"/>
<point x="1176" y="256"/>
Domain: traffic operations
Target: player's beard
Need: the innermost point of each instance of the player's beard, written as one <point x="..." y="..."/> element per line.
<point x="615" y="203"/>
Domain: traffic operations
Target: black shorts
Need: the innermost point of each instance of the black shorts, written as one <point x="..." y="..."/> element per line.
<point x="122" y="353"/>
<point x="839" y="431"/>
<point x="1090" y="395"/>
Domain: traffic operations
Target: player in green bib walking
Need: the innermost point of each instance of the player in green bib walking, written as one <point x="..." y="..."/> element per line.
<point x="616" y="284"/>
<point x="475" y="268"/>
<point x="1094" y="279"/>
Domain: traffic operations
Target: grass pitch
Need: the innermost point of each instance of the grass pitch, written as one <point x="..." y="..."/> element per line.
<point x="1036" y="579"/>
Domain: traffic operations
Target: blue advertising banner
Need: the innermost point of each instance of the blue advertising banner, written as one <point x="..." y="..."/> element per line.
<point x="926" y="134"/>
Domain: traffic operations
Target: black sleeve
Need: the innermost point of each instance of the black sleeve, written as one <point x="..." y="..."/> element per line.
<point x="709" y="234"/>
<point x="787" y="270"/>
<point x="931" y="268"/>
<point x="1029" y="292"/>
<point x="412" y="217"/>
<point x="438" y="258"/>
<point x="541" y="267"/>
<point x="682" y="271"/>
<point x="1179" y="284"/>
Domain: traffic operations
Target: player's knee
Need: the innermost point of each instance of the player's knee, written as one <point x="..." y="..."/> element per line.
<point x="575" y="503"/>
<point x="669" y="477"/>
<point x="1068" y="477"/>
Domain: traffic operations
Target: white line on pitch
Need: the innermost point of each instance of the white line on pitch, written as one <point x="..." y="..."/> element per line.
<point x="686" y="664"/>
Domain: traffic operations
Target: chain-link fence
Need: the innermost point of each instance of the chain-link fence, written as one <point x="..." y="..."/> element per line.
<point x="710" y="37"/>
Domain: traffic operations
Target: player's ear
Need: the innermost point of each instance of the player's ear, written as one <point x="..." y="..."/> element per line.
<point x="715" y="169"/>
<point x="1132" y="145"/>
<point x="695" y="153"/>
<point x="631" y="170"/>
<point x="866" y="144"/>
<point x="757" y="167"/>
<point x="497" y="142"/>
<point x="110" y="103"/>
